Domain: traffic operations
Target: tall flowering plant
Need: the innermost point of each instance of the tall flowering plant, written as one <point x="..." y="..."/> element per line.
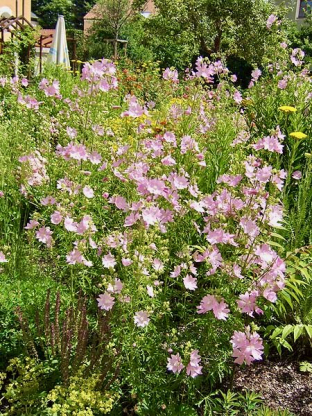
<point x="162" y="213"/>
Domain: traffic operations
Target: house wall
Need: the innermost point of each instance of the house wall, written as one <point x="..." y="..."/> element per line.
<point x="293" y="13"/>
<point x="6" y="5"/>
<point x="90" y="17"/>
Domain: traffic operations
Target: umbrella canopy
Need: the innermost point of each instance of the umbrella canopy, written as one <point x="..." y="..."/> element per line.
<point x="58" y="53"/>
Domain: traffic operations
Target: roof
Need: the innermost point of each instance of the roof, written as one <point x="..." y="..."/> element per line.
<point x="47" y="37"/>
<point x="93" y="13"/>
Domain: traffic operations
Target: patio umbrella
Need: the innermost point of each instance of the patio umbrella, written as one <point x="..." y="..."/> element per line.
<point x="58" y="53"/>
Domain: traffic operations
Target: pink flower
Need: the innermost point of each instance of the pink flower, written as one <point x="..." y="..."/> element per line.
<point x="116" y="287"/>
<point x="71" y="132"/>
<point x="44" y="236"/>
<point x="126" y="262"/>
<point x="24" y="82"/>
<point x="168" y="161"/>
<point x="275" y="215"/>
<point x="175" y="363"/>
<point x="70" y="225"/>
<point x="231" y="180"/>
<point x="131" y="219"/>
<point x="220" y="310"/>
<point x="2" y="258"/>
<point x="31" y="225"/>
<point x="74" y="257"/>
<point x="106" y="301"/>
<point x="247" y="347"/>
<point x="1" y="194"/>
<point x="88" y="192"/>
<point x="265" y="253"/>
<point x="179" y="182"/>
<point x="263" y="175"/>
<point x="297" y="175"/>
<point x="247" y="303"/>
<point x="158" y="265"/>
<point x="256" y="73"/>
<point x="169" y="137"/>
<point x="209" y="303"/>
<point x="237" y="96"/>
<point x="109" y="261"/>
<point x="270" y="143"/>
<point x="237" y="271"/>
<point x="190" y="282"/>
<point x="95" y="158"/>
<point x="271" y="20"/>
<point x="171" y="75"/>
<point x="151" y="215"/>
<point x="49" y="200"/>
<point x="120" y="203"/>
<point x="176" y="271"/>
<point x="193" y="368"/>
<point x="249" y="227"/>
<point x="282" y="84"/>
<point x="141" y="318"/>
<point x="56" y="217"/>
<point x="150" y="291"/>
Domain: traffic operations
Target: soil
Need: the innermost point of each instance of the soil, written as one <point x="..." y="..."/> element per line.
<point x="280" y="384"/>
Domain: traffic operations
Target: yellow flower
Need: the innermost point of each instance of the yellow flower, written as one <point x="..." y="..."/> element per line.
<point x="287" y="109"/>
<point x="298" y="135"/>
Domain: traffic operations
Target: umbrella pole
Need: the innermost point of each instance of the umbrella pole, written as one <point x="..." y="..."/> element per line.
<point x="40" y="55"/>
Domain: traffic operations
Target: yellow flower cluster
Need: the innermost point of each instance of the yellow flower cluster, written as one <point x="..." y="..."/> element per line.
<point x="298" y="135"/>
<point x="287" y="109"/>
<point x="81" y="398"/>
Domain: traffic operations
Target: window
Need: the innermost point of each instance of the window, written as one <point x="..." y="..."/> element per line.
<point x="304" y="5"/>
<point x="146" y="14"/>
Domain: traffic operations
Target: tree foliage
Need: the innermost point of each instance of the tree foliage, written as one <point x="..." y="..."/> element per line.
<point x="231" y="26"/>
<point x="72" y="10"/>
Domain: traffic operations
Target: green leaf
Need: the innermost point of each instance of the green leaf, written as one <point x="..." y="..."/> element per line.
<point x="286" y="345"/>
<point x="276" y="332"/>
<point x="278" y="236"/>
<point x="287" y="330"/>
<point x="287" y="297"/>
<point x="298" y="331"/>
<point x="308" y="329"/>
<point x="273" y="243"/>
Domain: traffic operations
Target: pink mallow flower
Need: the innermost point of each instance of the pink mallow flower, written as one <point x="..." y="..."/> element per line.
<point x="297" y="175"/>
<point x="190" y="282"/>
<point x="116" y="287"/>
<point x="237" y="96"/>
<point x="44" y="236"/>
<point x="2" y="257"/>
<point x="247" y="347"/>
<point x="247" y="303"/>
<point x="88" y="192"/>
<point x="56" y="218"/>
<point x="106" y="301"/>
<point x="171" y="75"/>
<point x="75" y="257"/>
<point x="31" y="225"/>
<point x="271" y="20"/>
<point x="175" y="363"/>
<point x="193" y="368"/>
<point x="109" y="261"/>
<point x="210" y="303"/>
<point x="141" y="318"/>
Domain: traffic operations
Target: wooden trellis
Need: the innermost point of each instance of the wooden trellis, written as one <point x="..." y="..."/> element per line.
<point x="13" y="24"/>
